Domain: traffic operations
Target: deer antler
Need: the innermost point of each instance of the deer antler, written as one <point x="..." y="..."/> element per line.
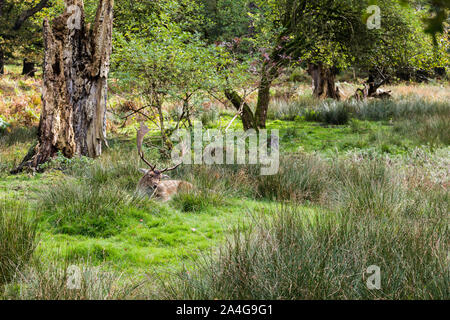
<point x="143" y="130"/>
<point x="170" y="169"/>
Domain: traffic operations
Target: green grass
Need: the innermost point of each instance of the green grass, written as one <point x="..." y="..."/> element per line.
<point x="291" y="253"/>
<point x="163" y="238"/>
<point x="137" y="236"/>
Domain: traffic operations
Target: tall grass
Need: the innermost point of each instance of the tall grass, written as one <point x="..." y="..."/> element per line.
<point x="92" y="197"/>
<point x="334" y="113"/>
<point x="406" y="108"/>
<point x="424" y="116"/>
<point x="432" y="130"/>
<point x="58" y="281"/>
<point x="18" y="135"/>
<point x="369" y="188"/>
<point x="290" y="253"/>
<point x="301" y="178"/>
<point x="198" y="200"/>
<point x="18" y="239"/>
<point x="290" y="110"/>
<point x="14" y="145"/>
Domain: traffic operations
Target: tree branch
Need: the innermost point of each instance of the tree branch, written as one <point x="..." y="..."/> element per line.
<point x="28" y="13"/>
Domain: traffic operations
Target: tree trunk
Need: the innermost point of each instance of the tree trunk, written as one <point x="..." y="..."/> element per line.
<point x="263" y="100"/>
<point x="76" y="67"/>
<point x="28" y="68"/>
<point x="2" y="62"/>
<point x="247" y="117"/>
<point x="323" y="79"/>
<point x="165" y="141"/>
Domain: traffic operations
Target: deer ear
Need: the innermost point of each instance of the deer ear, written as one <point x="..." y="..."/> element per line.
<point x="144" y="171"/>
<point x="165" y="176"/>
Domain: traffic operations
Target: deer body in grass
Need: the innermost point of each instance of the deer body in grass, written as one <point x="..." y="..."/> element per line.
<point x="153" y="183"/>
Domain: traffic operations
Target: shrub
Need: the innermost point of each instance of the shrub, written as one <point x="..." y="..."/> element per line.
<point x="312" y="115"/>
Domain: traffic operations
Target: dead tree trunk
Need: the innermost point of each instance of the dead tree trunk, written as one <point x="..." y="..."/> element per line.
<point x="76" y="67"/>
<point x="371" y="88"/>
<point x="28" y="68"/>
<point x="324" y="83"/>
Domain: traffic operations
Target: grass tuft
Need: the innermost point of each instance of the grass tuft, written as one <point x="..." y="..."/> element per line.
<point x="18" y="239"/>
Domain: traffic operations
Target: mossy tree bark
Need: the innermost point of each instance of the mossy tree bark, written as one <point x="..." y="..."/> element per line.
<point x="247" y="117"/>
<point x="76" y="67"/>
<point x="256" y="120"/>
<point x="270" y="71"/>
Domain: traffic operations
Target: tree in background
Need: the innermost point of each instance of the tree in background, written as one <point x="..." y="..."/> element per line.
<point x="164" y="61"/>
<point x="21" y="31"/>
<point x="330" y="35"/>
<point x="177" y="50"/>
<point x="401" y="47"/>
<point x="285" y="32"/>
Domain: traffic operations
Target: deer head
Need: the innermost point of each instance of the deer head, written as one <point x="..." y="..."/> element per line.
<point x="152" y="177"/>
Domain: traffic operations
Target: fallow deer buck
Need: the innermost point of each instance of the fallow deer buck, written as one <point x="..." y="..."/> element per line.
<point x="152" y="182"/>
